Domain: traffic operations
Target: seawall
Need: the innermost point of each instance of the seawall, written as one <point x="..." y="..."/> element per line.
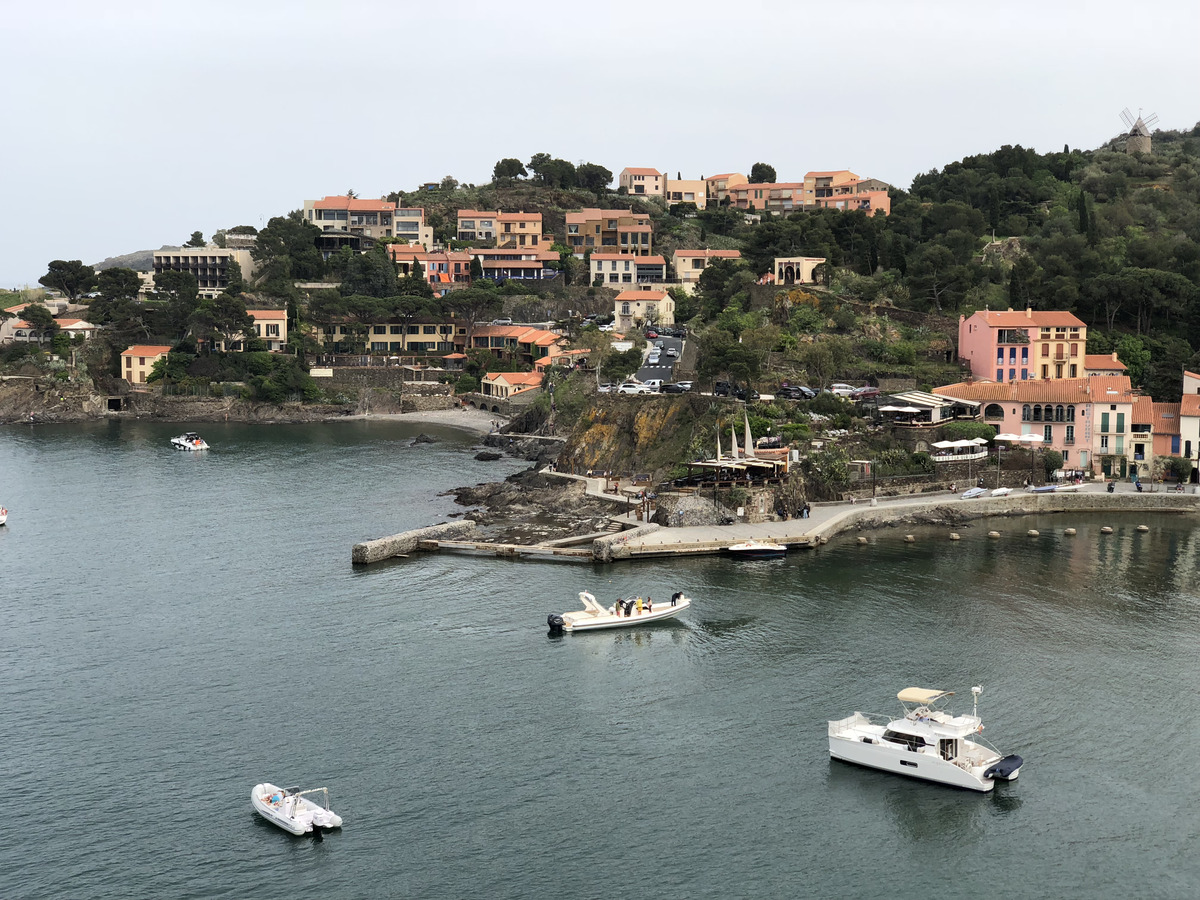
<point x="406" y="542"/>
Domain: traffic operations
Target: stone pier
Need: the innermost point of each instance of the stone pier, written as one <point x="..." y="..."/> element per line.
<point x="407" y="541"/>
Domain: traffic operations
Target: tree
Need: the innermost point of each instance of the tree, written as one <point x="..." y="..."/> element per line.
<point x="70" y="277"/>
<point x="761" y="173"/>
<point x="178" y="293"/>
<point x="476" y="268"/>
<point x="287" y="249"/>
<point x="474" y="304"/>
<point x="594" y="177"/>
<point x="42" y="319"/>
<point x="196" y="240"/>
<point x="508" y="168"/>
<point x="221" y="318"/>
<point x="233" y="277"/>
<point x="371" y="273"/>
<point x="449" y="183"/>
<point x="551" y="172"/>
<point x="118" y="284"/>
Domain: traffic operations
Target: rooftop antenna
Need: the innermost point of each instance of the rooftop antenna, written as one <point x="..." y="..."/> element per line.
<point x="975" y="692"/>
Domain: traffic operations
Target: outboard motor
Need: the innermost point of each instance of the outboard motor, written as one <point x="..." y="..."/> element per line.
<point x="1112" y="486"/>
<point x="555" y="622"/>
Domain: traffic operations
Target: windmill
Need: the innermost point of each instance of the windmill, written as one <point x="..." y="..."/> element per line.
<point x="1138" y="138"/>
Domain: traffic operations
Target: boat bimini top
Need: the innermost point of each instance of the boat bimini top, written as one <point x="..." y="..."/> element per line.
<point x="922" y="695"/>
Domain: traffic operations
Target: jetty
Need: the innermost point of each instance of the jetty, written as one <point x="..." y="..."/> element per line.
<point x="649" y="540"/>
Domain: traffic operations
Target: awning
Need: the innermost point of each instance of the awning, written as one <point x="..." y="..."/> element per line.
<point x="921" y="695"/>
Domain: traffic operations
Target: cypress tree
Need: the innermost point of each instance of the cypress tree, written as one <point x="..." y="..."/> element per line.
<point x="1083" y="213"/>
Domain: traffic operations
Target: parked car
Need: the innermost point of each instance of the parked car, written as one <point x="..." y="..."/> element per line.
<point x="841" y="390"/>
<point x="675" y="388"/>
<point x="658" y="345"/>
<point x="671" y="351"/>
<point x="651" y="335"/>
<point x="722" y="389"/>
<point x="745" y="393"/>
<point x="607" y="388"/>
<point x="686" y="385"/>
<point x="633" y="387"/>
<point x="608" y="327"/>
<point x="865" y="393"/>
<point x="795" y="392"/>
<point x="653" y="358"/>
<point x="505" y="321"/>
<point x="655" y="384"/>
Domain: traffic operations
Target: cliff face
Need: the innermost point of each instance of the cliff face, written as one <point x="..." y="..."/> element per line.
<point x="635" y="434"/>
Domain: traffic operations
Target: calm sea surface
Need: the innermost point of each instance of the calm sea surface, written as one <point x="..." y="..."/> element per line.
<point x="175" y="628"/>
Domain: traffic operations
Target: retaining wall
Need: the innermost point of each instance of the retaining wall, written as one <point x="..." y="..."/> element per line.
<point x="614" y="546"/>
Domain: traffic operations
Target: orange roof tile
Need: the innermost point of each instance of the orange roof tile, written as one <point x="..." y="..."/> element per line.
<point x="267" y="313"/>
<point x="519" y="217"/>
<point x="1102" y="361"/>
<point x="641" y="295"/>
<point x="710" y="254"/>
<point x="477" y="213"/>
<point x="1143" y="411"/>
<point x="1190" y="405"/>
<point x="359" y="203"/>
<point x="635" y="171"/>
<point x="146" y="350"/>
<point x="1165" y="418"/>
<point x="1026" y="318"/>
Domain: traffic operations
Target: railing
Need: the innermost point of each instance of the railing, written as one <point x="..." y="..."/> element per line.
<point x="959" y="457"/>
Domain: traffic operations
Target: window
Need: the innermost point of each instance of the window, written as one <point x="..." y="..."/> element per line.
<point x="1059" y="413"/>
<point x="993" y="411"/>
<point x="1024" y="356"/>
<point x="272" y="331"/>
<point x="378" y="329"/>
<point x="1045" y="371"/>
<point x="1037" y="413"/>
<point x="1187" y="449"/>
<point x="1012" y="354"/>
<point x="1025" y="413"/>
<point x="1048" y="433"/>
<point x="429" y="329"/>
<point x="1012" y="374"/>
<point x="614" y="278"/>
<point x="1104" y="443"/>
<point x="1070" y="413"/>
<point x="1045" y="349"/>
<point x="999" y="374"/>
<point x="129" y="362"/>
<point x="1120" y="423"/>
<point x="1070" y="435"/>
<point x="397" y="329"/>
<point x="1024" y="374"/>
<point x="1175" y="444"/>
<point x="627" y="278"/>
<point x="1074" y="349"/>
<point x="1074" y="370"/>
<point x="1103" y="422"/>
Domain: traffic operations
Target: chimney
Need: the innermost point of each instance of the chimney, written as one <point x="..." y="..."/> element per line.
<point x="1115" y="356"/>
<point x="1029" y="312"/>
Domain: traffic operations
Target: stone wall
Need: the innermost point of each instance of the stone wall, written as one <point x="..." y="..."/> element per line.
<point x="614" y="546"/>
<point x="406" y="542"/>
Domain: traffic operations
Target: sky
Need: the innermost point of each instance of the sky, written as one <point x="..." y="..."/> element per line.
<point x="128" y="124"/>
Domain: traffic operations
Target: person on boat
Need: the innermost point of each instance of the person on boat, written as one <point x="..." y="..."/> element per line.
<point x="675" y="597"/>
<point x="649" y="605"/>
<point x="639" y="605"/>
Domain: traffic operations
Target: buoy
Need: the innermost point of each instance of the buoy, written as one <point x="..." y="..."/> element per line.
<point x="909" y="539"/>
<point x="954" y="536"/>
<point x="1033" y="532"/>
<point x="993" y="534"/>
<point x="1069" y="531"/>
<point x="1106" y="530"/>
<point x="862" y="540"/>
<point x="1143" y="528"/>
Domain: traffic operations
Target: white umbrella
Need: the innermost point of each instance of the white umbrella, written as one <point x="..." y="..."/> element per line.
<point x="1032" y="438"/>
<point x="942" y="445"/>
<point x="963" y="443"/>
<point x="909" y="409"/>
<point x="1007" y="437"/>
<point x="979" y="442"/>
<point x="890" y="409"/>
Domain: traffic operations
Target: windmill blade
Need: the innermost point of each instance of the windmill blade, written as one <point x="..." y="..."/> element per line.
<point x="1127" y="117"/>
<point x="1150" y="119"/>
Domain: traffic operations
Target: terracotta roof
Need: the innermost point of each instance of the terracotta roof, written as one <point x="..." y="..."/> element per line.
<point x="641" y="295"/>
<point x="68" y="323"/>
<point x="1066" y="390"/>
<point x="519" y="217"/>
<point x="1190" y="405"/>
<point x="1190" y="374"/>
<point x="722" y="175"/>
<point x="1102" y="361"/>
<point x="635" y="171"/>
<point x="710" y="254"/>
<point x="769" y="186"/>
<point x="1165" y="418"/>
<point x="267" y="313"/>
<point x="1143" y="411"/>
<point x="146" y="350"/>
<point x="1027" y="318"/>
<point x="343" y="202"/>
<point x="829" y="174"/>
<point x="477" y="213"/>
<point x="1111" y="388"/>
<point x="511" y="378"/>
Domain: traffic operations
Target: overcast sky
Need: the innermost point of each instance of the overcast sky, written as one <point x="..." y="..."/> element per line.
<point x="129" y="125"/>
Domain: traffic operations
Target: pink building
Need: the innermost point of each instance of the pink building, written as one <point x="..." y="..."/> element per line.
<point x="1022" y="345"/>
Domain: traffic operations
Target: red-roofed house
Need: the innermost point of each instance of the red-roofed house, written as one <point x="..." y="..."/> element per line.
<point x="138" y="360"/>
<point x="642" y="182"/>
<point x="685" y="190"/>
<point x="782" y="197"/>
<point x="519" y="342"/>
<point x="1103" y="364"/>
<point x="271" y="326"/>
<point x="633" y="309"/>
<point x="504" y="385"/>
<point x="360" y="215"/>
<point x="18" y="330"/>
<point x="507" y="229"/>
<point x="689" y="264"/>
<point x="1022" y="345"/>
<point x="506" y="263"/>
<point x="441" y="269"/>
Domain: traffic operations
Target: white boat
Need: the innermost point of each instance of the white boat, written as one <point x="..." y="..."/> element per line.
<point x="1001" y="492"/>
<point x="291" y="810"/>
<point x="973" y="493"/>
<point x="189" y="441"/>
<point x="926" y="742"/>
<point x="757" y="550"/>
<point x="1065" y="488"/>
<point x="625" y="613"/>
<point x="3" y="515"/>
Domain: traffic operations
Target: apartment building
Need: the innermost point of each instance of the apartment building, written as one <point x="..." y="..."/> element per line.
<point x="138" y="361"/>
<point x="683" y="190"/>
<point x="209" y="265"/>
<point x="506" y="229"/>
<point x="844" y="190"/>
<point x="609" y="231"/>
<point x="358" y="215"/>
<point x="782" y="197"/>
<point x="633" y="309"/>
<point x="503" y="264"/>
<point x="690" y="264"/>
<point x="717" y="186"/>
<point x="616" y="269"/>
<point x="441" y="268"/>
<point x="1022" y="345"/>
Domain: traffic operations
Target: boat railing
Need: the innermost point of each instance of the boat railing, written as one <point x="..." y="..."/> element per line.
<point x="859" y="719"/>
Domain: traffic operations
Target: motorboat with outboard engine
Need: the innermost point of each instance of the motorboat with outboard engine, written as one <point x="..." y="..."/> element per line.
<point x="625" y="613"/>
<point x="189" y="441"/>
<point x="291" y="810"/>
<point x="927" y="742"/>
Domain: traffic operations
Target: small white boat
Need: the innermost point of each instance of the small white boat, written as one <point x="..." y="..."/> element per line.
<point x="1065" y="488"/>
<point x="3" y="515"/>
<point x="926" y="742"/>
<point x="1001" y="492"/>
<point x="189" y="441"/>
<point x="973" y="493"/>
<point x="291" y="810"/>
<point x="757" y="550"/>
<point x="625" y="613"/>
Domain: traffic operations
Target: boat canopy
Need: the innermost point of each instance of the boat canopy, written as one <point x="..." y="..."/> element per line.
<point x="921" y="695"/>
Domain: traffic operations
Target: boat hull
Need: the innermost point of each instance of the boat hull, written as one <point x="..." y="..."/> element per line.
<point x="757" y="550"/>
<point x="898" y="760"/>
<point x="586" y="622"/>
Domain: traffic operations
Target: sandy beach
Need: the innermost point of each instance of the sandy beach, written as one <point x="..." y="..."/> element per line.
<point x="477" y="421"/>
